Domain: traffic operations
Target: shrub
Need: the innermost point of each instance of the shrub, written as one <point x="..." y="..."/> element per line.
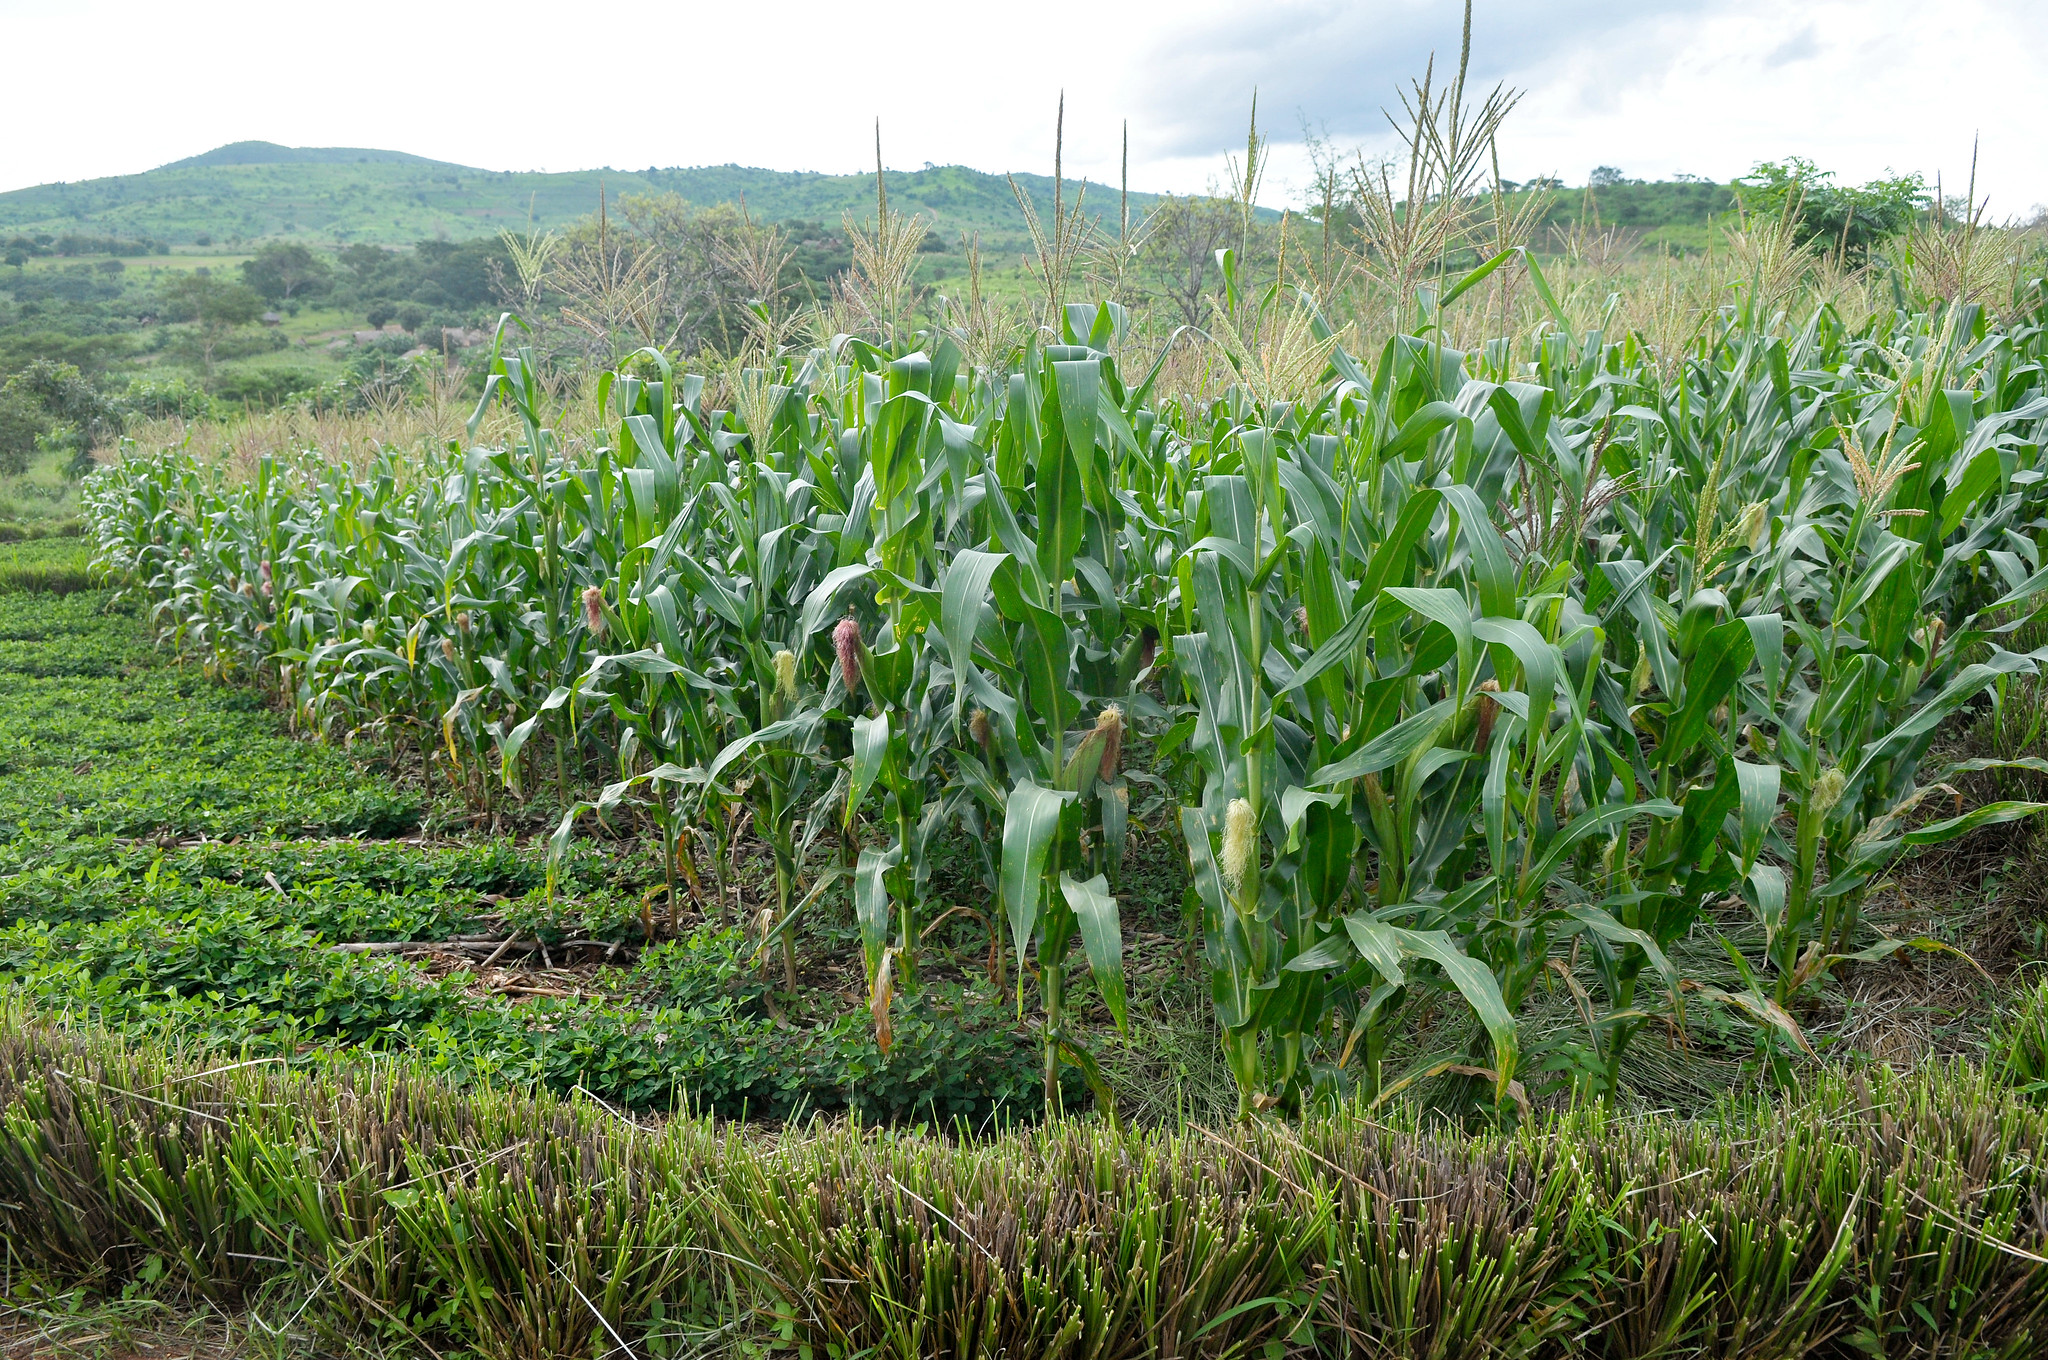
<point x="51" y="402"/>
<point x="155" y="398"/>
<point x="264" y="386"/>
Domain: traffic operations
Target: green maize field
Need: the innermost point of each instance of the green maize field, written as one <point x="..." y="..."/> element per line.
<point x="1457" y="675"/>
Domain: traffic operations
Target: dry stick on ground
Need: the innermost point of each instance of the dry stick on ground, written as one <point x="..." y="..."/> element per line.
<point x="1987" y="1239"/>
<point x="527" y="989"/>
<point x="453" y="946"/>
<point x="606" y="1107"/>
<point x="461" y="1168"/>
<point x="630" y="1354"/>
<point x="499" y="952"/>
<point x="740" y="822"/>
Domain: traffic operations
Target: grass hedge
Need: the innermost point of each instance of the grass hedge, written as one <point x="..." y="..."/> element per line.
<point x="1875" y="1213"/>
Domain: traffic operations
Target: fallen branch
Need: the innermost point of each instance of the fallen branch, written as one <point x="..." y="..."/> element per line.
<point x="498" y="948"/>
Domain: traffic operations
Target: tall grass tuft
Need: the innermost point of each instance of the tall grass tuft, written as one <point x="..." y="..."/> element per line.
<point x="2019" y="1045"/>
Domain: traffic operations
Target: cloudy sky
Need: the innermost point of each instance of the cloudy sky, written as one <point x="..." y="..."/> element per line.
<point x="1707" y="87"/>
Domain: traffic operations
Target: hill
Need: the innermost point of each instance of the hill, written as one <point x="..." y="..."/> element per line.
<point x="246" y="192"/>
<point x="270" y="153"/>
<point x="250" y="191"/>
<point x="1680" y="215"/>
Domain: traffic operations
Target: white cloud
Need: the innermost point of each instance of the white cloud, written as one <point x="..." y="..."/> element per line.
<point x="1339" y="65"/>
<point x="1798" y="47"/>
<point x="1651" y="86"/>
<point x="1863" y="88"/>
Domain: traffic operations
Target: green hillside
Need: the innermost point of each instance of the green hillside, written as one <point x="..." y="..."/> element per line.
<point x="270" y="153"/>
<point x="251" y="191"/>
<point x="1660" y="215"/>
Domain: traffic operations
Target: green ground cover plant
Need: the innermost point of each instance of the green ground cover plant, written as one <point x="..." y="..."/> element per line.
<point x="172" y="863"/>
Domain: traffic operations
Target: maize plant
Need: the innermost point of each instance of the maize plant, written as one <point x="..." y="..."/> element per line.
<point x="1032" y="623"/>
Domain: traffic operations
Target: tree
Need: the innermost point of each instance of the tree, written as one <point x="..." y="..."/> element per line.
<point x="22" y="423"/>
<point x="283" y="270"/>
<point x="367" y="264"/>
<point x="90" y="353"/>
<point x="1837" y="217"/>
<point x="214" y="307"/>
<point x="706" y="267"/>
<point x="1182" y="236"/>
<point x="1606" y="177"/>
<point x="44" y="401"/>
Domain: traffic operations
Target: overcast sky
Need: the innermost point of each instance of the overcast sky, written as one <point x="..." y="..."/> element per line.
<point x="1707" y="87"/>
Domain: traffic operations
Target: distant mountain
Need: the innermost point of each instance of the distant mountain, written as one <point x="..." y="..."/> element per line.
<point x="270" y="153"/>
<point x="249" y="191"/>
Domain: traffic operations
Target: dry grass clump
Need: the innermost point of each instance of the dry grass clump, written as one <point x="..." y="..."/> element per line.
<point x="439" y="412"/>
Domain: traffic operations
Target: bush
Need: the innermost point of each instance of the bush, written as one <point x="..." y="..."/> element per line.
<point x="50" y="404"/>
<point x="287" y="272"/>
<point x="155" y="398"/>
<point x="263" y="386"/>
<point x="1832" y="216"/>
